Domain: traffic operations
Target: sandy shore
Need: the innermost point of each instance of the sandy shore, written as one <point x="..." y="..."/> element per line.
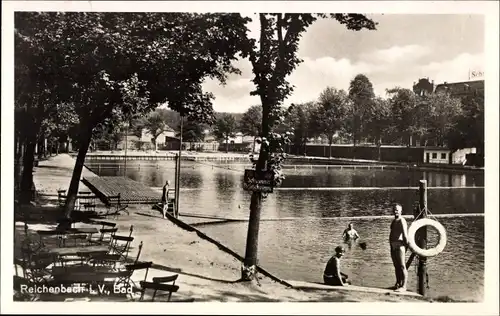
<point x="205" y="272"/>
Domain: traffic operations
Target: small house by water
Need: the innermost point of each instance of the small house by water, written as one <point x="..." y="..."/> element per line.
<point x="443" y="155"/>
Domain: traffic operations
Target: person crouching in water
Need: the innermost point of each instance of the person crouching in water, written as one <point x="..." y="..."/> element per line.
<point x="332" y="274"/>
<point x="164" y="198"/>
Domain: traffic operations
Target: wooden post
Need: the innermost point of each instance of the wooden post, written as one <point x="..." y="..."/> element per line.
<point x="178" y="176"/>
<point x="126" y="143"/>
<point x="177" y="171"/>
<point x="422" y="240"/>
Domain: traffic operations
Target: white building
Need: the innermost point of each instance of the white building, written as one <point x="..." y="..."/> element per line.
<point x="237" y="139"/>
<point x="443" y="155"/>
<point x="161" y="139"/>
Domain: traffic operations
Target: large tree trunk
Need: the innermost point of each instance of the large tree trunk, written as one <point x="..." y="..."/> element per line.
<point x="253" y="147"/>
<point x="250" y="262"/>
<point x="227" y="144"/>
<point x="41" y="149"/>
<point x="27" y="173"/>
<point x="248" y="271"/>
<point x="77" y="173"/>
<point x="18" y="147"/>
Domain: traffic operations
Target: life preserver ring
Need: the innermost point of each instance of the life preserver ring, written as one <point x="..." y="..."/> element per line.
<point x="416" y="225"/>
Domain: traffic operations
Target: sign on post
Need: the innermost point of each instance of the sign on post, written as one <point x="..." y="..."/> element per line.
<point x="258" y="181"/>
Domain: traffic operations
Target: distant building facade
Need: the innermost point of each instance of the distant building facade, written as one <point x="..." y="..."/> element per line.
<point x="145" y="141"/>
<point x="424" y="87"/>
<point x="462" y="89"/>
<point x="162" y="139"/>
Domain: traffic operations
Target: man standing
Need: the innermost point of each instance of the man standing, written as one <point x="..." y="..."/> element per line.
<point x="398" y="241"/>
<point x="164" y="198"/>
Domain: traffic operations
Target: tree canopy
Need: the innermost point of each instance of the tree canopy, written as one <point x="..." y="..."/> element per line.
<point x="251" y="121"/>
<point x="112" y="65"/>
<point x="329" y="116"/>
<point x="361" y="95"/>
<point x="225" y="128"/>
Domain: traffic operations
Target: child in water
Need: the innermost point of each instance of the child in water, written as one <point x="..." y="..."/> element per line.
<point x="350" y="234"/>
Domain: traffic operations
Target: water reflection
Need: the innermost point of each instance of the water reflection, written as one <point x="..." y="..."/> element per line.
<point x="376" y="178"/>
<point x="299" y="249"/>
<point x="306" y="245"/>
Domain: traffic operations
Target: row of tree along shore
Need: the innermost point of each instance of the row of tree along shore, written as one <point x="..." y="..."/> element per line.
<point x="358" y="116"/>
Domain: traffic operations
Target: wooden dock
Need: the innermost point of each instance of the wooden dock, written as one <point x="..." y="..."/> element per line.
<point x="130" y="191"/>
<point x="300" y="285"/>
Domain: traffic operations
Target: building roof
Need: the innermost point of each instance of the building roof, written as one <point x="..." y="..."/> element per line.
<point x="423" y="87"/>
<point x="461" y="88"/>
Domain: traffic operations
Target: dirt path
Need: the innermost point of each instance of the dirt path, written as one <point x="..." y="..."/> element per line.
<point x="205" y="272"/>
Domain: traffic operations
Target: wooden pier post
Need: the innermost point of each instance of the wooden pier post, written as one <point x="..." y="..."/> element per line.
<point x="421" y="240"/>
<point x="177" y="185"/>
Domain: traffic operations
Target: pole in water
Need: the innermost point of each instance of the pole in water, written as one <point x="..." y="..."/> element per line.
<point x="177" y="180"/>
<point x="422" y="240"/>
<point x="176" y="186"/>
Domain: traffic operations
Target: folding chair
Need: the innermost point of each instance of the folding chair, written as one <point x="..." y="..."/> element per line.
<point x="107" y="228"/>
<point x="157" y="287"/>
<point x="87" y="200"/>
<point x="121" y="244"/>
<point x="89" y="206"/>
<point x="104" y="260"/>
<point x="114" y="203"/>
<point x="61" y="197"/>
<point x="36" y="267"/>
<point x="138" y="252"/>
<point x="163" y="281"/>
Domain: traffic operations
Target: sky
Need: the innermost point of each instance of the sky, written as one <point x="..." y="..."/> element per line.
<point x="403" y="49"/>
